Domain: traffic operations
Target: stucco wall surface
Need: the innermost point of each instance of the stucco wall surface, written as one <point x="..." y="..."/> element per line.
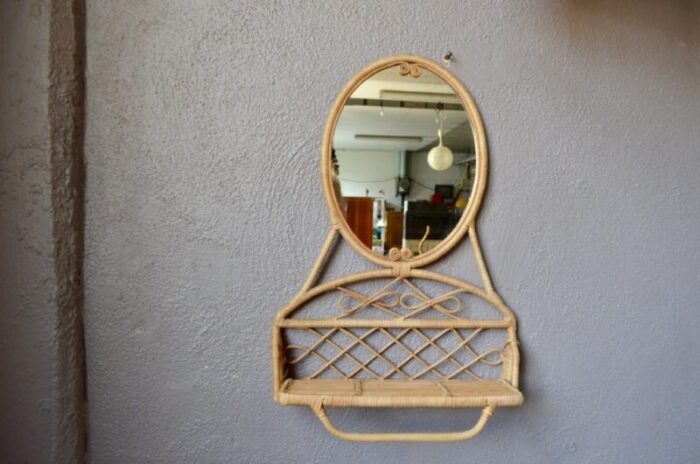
<point x="205" y="213"/>
<point x="27" y="316"/>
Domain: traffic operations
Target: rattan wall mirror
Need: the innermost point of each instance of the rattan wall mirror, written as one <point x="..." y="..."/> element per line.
<point x="404" y="165"/>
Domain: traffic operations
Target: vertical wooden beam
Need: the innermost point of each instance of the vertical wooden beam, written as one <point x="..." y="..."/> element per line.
<point x="67" y="122"/>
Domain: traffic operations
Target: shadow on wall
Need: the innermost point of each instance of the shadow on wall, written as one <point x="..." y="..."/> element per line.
<point x="673" y="21"/>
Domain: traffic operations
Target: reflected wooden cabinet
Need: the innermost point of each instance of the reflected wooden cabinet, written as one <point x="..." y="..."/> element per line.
<point x="394" y="230"/>
<point x="358" y="214"/>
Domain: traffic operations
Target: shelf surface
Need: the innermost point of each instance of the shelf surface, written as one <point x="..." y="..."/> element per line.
<point x="400" y="393"/>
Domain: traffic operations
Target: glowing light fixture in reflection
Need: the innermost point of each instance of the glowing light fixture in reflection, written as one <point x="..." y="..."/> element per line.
<point x="440" y="157"/>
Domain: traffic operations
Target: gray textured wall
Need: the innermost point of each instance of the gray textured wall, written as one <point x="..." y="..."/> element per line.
<point x="205" y="213"/>
<point x="27" y="316"/>
<point x="42" y="388"/>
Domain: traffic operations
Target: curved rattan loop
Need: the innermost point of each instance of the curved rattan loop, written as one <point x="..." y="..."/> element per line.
<point x="486" y="414"/>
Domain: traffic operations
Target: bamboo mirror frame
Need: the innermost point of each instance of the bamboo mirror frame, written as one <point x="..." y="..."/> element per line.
<point x="416" y="315"/>
<point x="413" y="66"/>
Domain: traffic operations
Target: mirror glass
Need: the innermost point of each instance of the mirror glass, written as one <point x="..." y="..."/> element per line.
<point x="403" y="160"/>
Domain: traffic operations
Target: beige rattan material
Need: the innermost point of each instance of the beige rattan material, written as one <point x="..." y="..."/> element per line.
<point x="400" y="394"/>
<point x="400" y="336"/>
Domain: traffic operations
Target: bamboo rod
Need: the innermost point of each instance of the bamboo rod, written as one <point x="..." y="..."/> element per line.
<point x="479" y="256"/>
<point x="486" y="414"/>
<point x="323" y="256"/>
<point x="395" y="323"/>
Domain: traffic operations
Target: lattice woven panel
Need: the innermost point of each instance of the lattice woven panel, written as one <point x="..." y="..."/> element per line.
<point x="395" y="353"/>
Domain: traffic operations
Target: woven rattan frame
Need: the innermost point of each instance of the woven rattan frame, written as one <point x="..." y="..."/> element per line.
<point x="405" y="309"/>
<point x="414" y="64"/>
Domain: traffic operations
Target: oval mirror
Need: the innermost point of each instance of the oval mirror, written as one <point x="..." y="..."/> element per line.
<point x="404" y="159"/>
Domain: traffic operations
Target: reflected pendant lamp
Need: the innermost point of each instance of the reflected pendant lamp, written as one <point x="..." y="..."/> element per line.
<point x="440" y="157"/>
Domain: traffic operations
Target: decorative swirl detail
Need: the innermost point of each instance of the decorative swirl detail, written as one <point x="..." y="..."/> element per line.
<point x="403" y="254"/>
<point x="386" y="300"/>
<point x="394" y="254"/>
<point x="431" y="303"/>
<point x="400" y="303"/>
<point x="413" y="69"/>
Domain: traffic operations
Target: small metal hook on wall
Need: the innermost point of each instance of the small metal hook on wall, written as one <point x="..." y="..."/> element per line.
<point x="448" y="58"/>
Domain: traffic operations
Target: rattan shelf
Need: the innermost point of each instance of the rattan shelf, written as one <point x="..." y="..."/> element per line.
<point x="346" y="393"/>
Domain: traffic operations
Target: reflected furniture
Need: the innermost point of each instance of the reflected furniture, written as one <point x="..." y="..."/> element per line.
<point x="358" y="214"/>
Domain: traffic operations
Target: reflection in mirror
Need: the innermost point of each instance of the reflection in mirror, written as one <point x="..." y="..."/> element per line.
<point x="404" y="161"/>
